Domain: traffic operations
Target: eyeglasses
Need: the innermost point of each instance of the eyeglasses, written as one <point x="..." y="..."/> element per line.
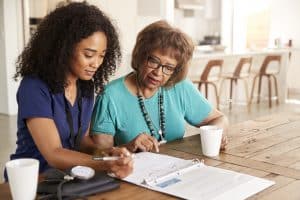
<point x="155" y="64"/>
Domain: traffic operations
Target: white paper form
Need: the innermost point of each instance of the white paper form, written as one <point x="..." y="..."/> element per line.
<point x="191" y="179"/>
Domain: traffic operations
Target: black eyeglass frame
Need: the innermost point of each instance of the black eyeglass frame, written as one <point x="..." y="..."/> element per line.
<point x="158" y="64"/>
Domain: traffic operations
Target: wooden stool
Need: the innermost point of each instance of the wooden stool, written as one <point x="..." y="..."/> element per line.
<point x="269" y="74"/>
<point x="210" y="75"/>
<point x="242" y="72"/>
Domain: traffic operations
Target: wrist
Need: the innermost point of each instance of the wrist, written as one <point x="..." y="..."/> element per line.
<point x="130" y="146"/>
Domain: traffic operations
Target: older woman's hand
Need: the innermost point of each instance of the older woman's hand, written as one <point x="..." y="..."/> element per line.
<point x="224" y="142"/>
<point x="123" y="166"/>
<point x="143" y="142"/>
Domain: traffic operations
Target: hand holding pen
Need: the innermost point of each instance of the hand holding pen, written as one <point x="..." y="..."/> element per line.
<point x="109" y="158"/>
<point x="118" y="162"/>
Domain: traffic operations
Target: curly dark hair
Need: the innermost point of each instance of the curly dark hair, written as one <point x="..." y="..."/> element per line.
<point x="50" y="49"/>
<point x="162" y="36"/>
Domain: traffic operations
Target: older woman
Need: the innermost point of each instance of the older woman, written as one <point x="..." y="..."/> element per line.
<point x="152" y="103"/>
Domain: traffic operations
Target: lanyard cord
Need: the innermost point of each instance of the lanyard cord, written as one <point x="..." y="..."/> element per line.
<point x="74" y="139"/>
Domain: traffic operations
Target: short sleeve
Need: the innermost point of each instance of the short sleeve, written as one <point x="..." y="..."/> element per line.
<point x="34" y="99"/>
<point x="197" y="108"/>
<point x="103" y="118"/>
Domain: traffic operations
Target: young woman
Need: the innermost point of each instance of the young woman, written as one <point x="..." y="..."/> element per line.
<point x="71" y="56"/>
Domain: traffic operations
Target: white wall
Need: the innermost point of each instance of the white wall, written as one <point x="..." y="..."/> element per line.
<point x="293" y="71"/>
<point x="10" y="43"/>
<point x="202" y="22"/>
<point x="285" y="15"/>
<point x="227" y="23"/>
<point x="3" y="88"/>
<point x="131" y="16"/>
<point x="195" y="26"/>
<point x="124" y="14"/>
<point x="38" y="8"/>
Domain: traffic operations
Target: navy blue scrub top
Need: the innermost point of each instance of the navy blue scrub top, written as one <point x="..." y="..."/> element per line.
<point x="35" y="100"/>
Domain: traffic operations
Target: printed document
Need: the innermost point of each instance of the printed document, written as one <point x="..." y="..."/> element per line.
<point x="192" y="179"/>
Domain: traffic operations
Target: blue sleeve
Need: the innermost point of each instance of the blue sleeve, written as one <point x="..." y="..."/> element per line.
<point x="196" y="106"/>
<point x="34" y="99"/>
<point x="103" y="118"/>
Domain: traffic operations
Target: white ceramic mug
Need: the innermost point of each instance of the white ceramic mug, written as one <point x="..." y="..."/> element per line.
<point x="23" y="178"/>
<point x="211" y="137"/>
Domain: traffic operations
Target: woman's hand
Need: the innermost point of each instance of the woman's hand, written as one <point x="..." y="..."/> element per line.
<point x="224" y="142"/>
<point x="143" y="142"/>
<point x="217" y="118"/>
<point x="121" y="167"/>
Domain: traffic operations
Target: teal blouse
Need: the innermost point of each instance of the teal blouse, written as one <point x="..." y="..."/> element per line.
<point x="118" y="113"/>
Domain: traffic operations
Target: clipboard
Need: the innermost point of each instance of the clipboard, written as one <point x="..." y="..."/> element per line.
<point x="192" y="179"/>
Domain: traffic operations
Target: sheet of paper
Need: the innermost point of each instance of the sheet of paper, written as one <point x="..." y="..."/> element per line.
<point x="201" y="182"/>
<point x="151" y="166"/>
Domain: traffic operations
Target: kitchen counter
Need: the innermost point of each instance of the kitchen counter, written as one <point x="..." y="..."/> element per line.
<point x="208" y="54"/>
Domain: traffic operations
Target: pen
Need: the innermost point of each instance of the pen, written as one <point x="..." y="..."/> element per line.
<point x="104" y="158"/>
<point x="109" y="158"/>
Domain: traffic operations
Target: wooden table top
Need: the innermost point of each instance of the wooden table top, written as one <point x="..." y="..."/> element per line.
<point x="268" y="147"/>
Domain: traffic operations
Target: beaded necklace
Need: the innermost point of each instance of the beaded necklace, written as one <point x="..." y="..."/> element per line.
<point x="162" y="121"/>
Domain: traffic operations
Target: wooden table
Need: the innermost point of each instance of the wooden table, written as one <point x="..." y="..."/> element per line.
<point x="268" y="147"/>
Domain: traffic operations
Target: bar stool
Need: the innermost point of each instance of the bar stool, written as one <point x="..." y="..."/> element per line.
<point x="264" y="71"/>
<point x="210" y="76"/>
<point x="242" y="72"/>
